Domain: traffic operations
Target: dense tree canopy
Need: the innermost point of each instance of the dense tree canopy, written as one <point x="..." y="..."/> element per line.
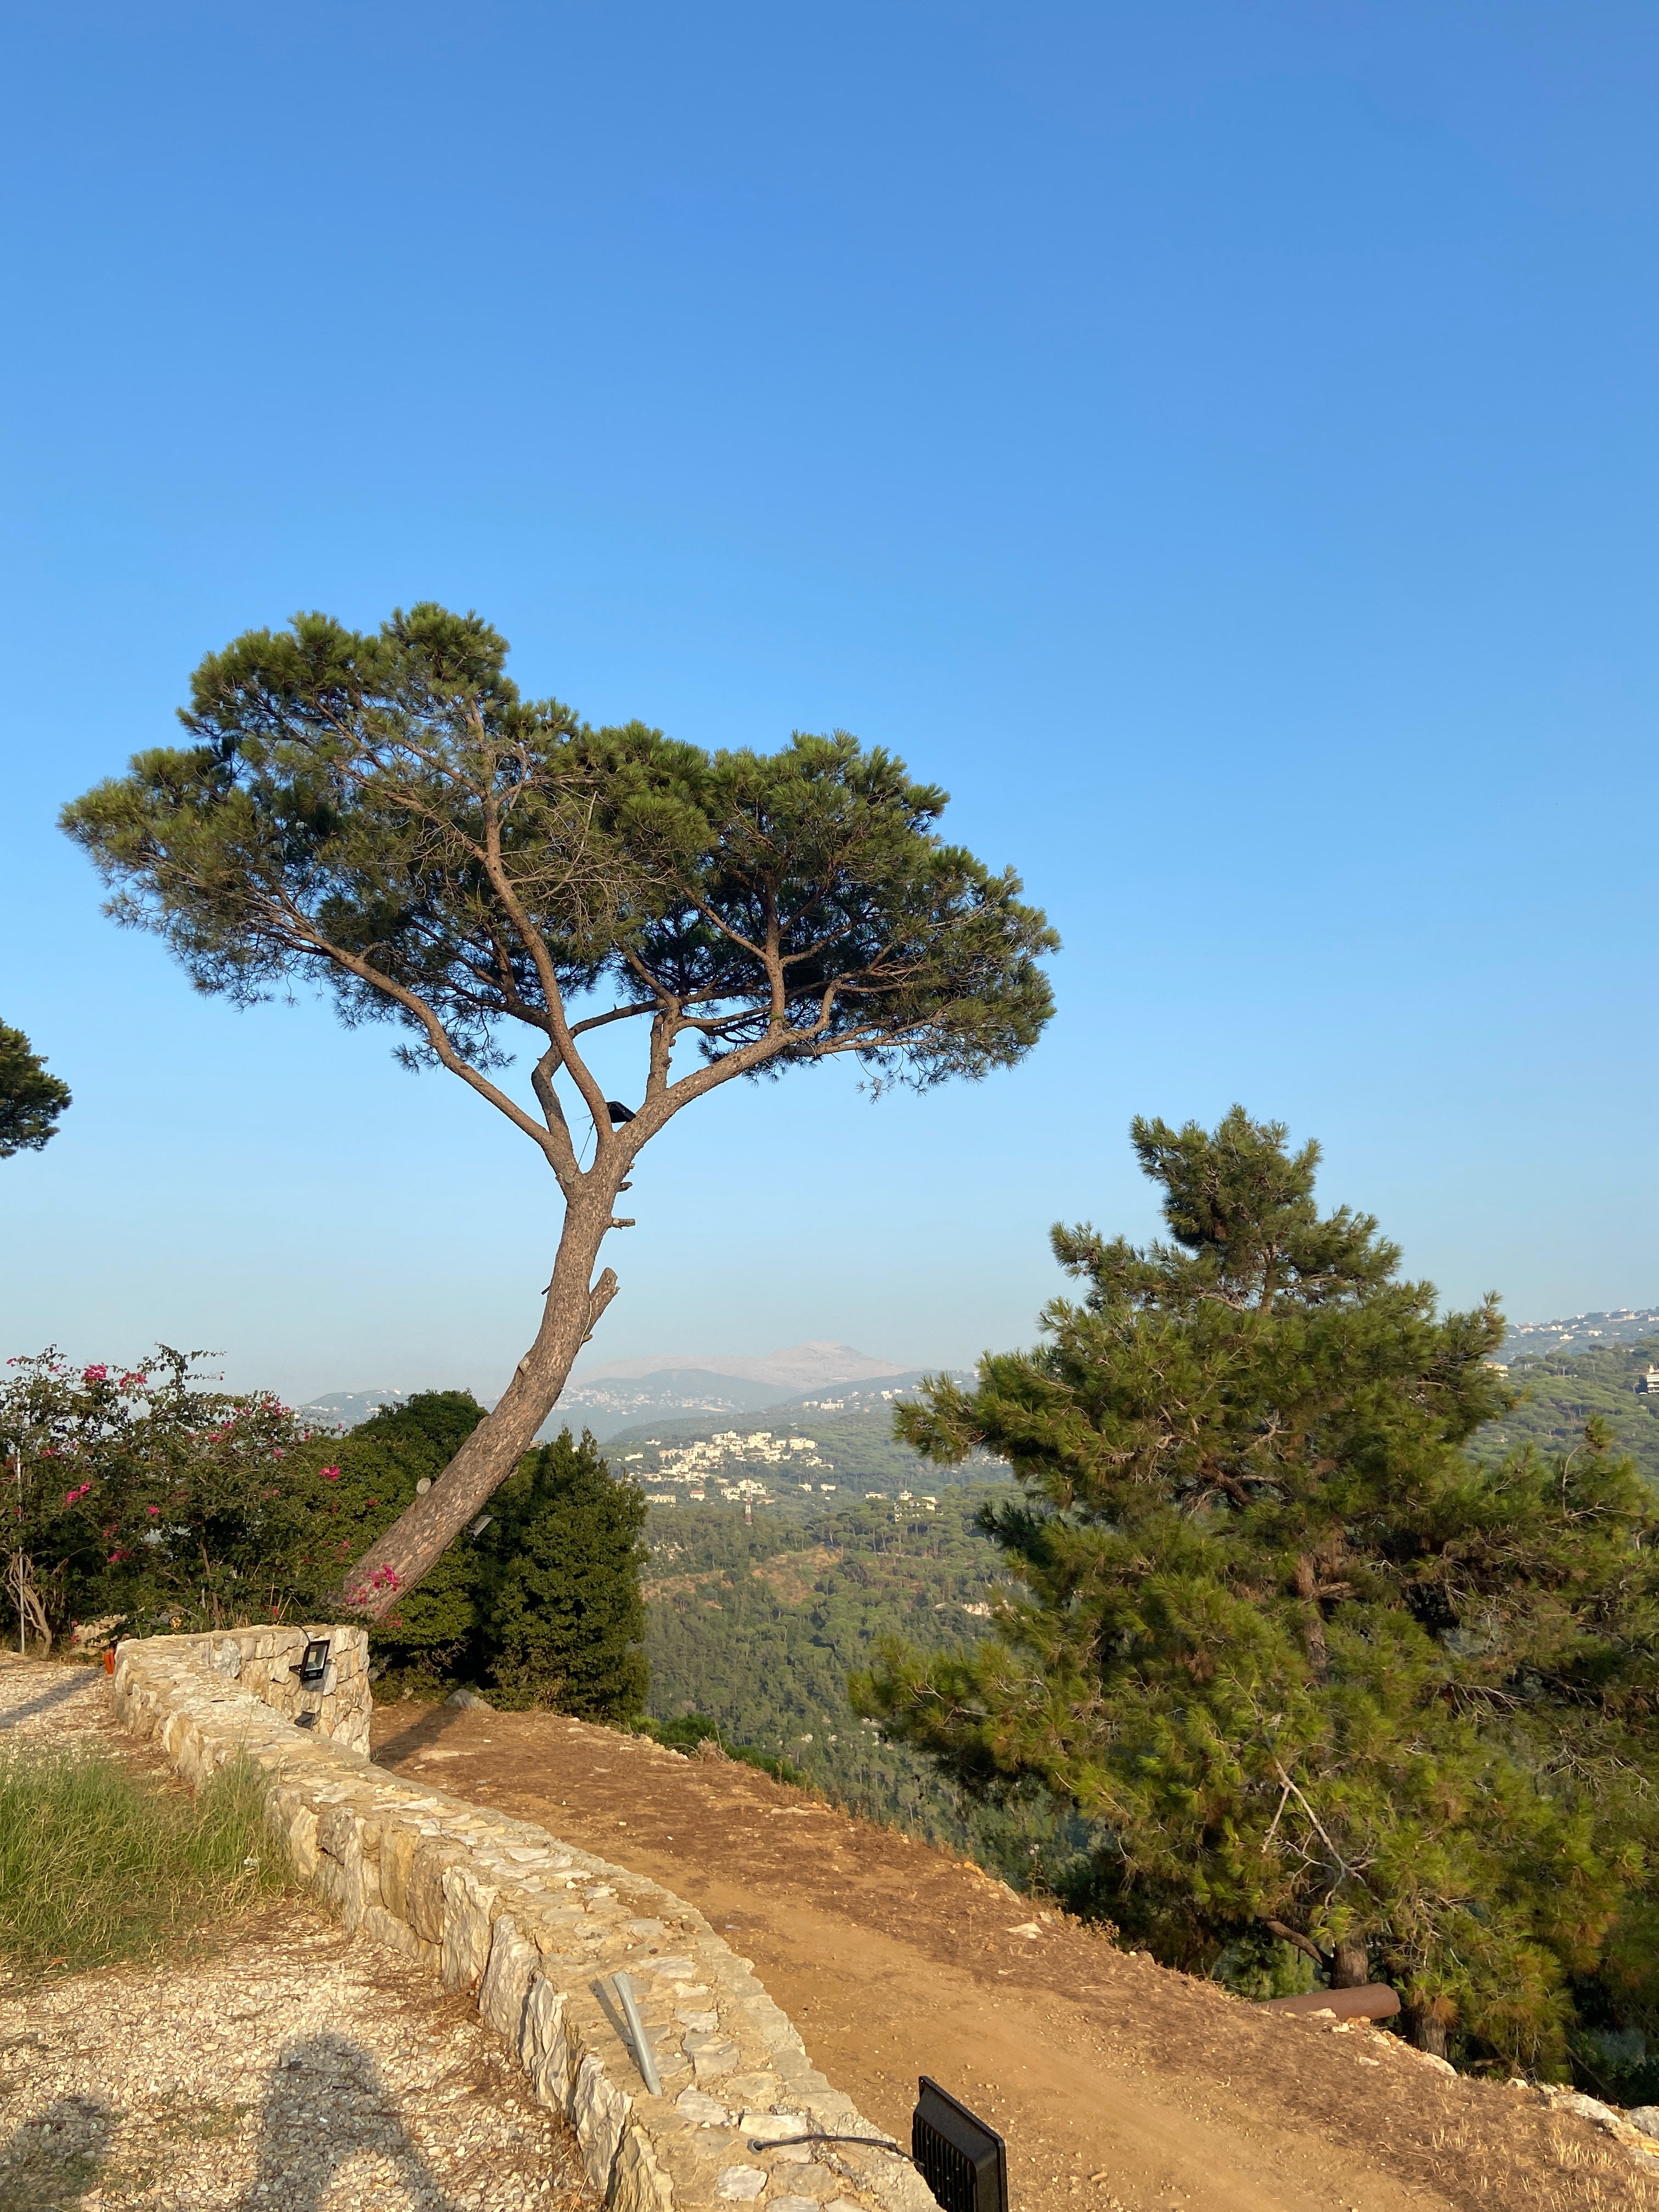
<point x="541" y="1606"/>
<point x="382" y="812"/>
<point x="31" y="1097"/>
<point x="1308" y="1670"/>
<point x="144" y="1499"/>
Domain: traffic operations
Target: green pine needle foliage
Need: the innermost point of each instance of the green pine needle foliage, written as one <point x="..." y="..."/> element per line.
<point x="1307" y="1669"/>
<point x="566" y="1622"/>
<point x="542" y="1607"/>
<point x="31" y="1097"/>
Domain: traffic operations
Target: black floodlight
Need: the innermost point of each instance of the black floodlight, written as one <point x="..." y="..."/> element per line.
<point x="313" y="1667"/>
<point x="963" y="2162"/>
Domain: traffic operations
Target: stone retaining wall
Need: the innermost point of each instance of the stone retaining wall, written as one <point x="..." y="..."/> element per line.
<point x="533" y="1929"/>
<point x="265" y="1662"/>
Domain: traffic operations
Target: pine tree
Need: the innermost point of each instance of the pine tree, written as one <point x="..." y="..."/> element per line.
<point x="1310" y="1672"/>
<point x="561" y="1619"/>
<point x="384" y="815"/>
<point x="31" y="1097"/>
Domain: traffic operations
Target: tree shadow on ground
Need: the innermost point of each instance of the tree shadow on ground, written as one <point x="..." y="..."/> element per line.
<point x="425" y="1731"/>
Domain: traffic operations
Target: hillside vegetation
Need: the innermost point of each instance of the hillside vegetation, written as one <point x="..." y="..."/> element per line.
<point x="1561" y="1391"/>
<point x="759" y="1625"/>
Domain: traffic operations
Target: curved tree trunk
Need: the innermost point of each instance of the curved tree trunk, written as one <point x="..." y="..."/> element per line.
<point x="420" y="1535"/>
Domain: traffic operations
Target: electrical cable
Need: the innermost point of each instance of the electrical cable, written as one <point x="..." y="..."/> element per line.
<point x="872" y="2143"/>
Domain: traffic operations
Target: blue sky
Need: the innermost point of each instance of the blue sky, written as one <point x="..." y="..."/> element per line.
<point x="1217" y="443"/>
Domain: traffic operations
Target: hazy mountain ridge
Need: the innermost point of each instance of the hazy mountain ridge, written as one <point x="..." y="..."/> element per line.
<point x="822" y="1375"/>
<point x="611" y="1397"/>
<point x="619" y="1392"/>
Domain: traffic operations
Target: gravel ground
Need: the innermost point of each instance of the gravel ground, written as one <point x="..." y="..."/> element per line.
<point x="292" y="2066"/>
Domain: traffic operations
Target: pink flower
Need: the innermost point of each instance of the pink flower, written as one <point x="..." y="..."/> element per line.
<point x="329" y="1474"/>
<point x="73" y="1496"/>
<point x="95" y="1375"/>
<point x="153" y="1511"/>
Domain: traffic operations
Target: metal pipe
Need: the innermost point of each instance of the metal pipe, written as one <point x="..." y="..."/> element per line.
<point x="644" y="2057"/>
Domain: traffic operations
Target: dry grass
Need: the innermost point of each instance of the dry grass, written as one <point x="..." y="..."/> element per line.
<point x="1565" y="2167"/>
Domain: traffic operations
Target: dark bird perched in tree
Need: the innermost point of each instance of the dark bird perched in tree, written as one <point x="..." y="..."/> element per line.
<point x="383" y="812"/>
<point x="619" y="1114"/>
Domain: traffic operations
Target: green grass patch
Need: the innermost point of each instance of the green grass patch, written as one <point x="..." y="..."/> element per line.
<point x="99" y="1864"/>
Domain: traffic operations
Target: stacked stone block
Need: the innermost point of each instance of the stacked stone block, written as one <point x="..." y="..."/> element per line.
<point x="533" y="1929"/>
<point x="265" y="1662"/>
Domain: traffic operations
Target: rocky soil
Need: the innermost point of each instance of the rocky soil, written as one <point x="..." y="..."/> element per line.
<point x="1120" y="2088"/>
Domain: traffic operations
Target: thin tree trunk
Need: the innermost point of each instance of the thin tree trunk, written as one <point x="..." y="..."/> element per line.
<point x="1350" y="1965"/>
<point x="1426" y="2025"/>
<point x="421" y="1534"/>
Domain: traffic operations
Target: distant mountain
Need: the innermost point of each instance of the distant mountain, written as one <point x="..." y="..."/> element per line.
<point x="622" y="1392"/>
<point x="1585" y="1332"/>
<point x="344" y="1409"/>
<point x="797" y="1367"/>
<point x="604" y="1407"/>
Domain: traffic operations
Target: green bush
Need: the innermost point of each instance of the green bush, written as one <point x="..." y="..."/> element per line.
<point x="99" y="1865"/>
<point x="686" y="1731"/>
<point x="542" y="1607"/>
<point x="561" y="1621"/>
<point x="139" y="1494"/>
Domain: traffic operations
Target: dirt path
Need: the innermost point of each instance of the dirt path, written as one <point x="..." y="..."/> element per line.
<point x="1120" y="2088"/>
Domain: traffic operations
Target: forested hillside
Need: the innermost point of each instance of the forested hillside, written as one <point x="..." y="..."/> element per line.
<point x="759" y="1625"/>
<point x="1561" y="1391"/>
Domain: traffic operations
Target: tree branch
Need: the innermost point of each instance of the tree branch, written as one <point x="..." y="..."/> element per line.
<point x="1302" y="1942"/>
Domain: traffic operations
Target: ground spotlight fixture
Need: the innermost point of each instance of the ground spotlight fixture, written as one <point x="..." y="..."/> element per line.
<point x="477" y="1527"/>
<point x="313" y="1666"/>
<point x="963" y="2161"/>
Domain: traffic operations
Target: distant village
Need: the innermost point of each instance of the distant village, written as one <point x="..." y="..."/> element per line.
<point x="719" y="1464"/>
<point x="719" y="1461"/>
